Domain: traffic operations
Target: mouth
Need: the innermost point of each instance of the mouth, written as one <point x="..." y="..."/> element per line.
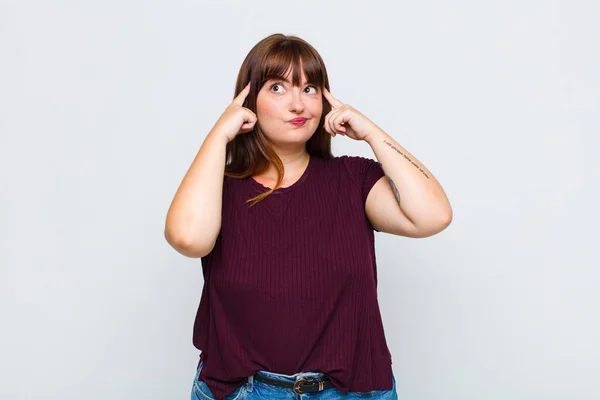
<point x="298" y="121"/>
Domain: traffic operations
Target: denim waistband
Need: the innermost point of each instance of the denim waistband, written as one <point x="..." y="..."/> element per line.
<point x="280" y="377"/>
<point x="291" y="378"/>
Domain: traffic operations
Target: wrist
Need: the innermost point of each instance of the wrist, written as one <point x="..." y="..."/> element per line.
<point x="218" y="136"/>
<point x="375" y="134"/>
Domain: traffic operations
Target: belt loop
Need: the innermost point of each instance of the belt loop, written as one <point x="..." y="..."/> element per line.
<point x="250" y="383"/>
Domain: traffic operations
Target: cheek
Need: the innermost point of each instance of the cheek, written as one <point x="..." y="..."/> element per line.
<point x="265" y="108"/>
<point x="316" y="108"/>
<point x="319" y="109"/>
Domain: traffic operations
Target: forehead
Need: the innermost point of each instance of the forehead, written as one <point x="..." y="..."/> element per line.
<point x="288" y="79"/>
<point x="288" y="74"/>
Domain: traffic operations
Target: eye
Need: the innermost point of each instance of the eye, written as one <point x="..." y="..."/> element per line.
<point x="281" y="85"/>
<point x="276" y="84"/>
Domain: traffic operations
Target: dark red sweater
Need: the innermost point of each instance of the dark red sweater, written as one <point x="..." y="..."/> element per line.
<point x="291" y="284"/>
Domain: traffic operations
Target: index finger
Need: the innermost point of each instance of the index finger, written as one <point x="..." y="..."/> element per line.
<point x="241" y="97"/>
<point x="332" y="100"/>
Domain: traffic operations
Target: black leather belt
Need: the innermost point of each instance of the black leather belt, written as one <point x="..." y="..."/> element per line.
<point x="302" y="385"/>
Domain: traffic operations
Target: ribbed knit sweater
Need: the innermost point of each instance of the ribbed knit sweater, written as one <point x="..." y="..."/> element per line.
<point x="291" y="283"/>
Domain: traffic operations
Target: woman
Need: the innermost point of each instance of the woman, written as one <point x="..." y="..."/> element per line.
<point x="285" y="233"/>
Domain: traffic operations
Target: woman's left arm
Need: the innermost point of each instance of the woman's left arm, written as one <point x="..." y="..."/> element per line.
<point x="408" y="201"/>
<point x="409" y="185"/>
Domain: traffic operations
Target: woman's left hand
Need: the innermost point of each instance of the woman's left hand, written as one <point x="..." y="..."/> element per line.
<point x="345" y="120"/>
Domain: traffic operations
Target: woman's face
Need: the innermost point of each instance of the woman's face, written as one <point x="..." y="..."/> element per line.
<point x="278" y="103"/>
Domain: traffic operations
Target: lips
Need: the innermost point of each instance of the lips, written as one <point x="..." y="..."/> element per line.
<point x="298" y="121"/>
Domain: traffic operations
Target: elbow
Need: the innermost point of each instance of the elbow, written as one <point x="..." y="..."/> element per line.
<point x="443" y="221"/>
<point x="444" y="218"/>
<point x="443" y="215"/>
<point x="187" y="247"/>
<point x="447" y="218"/>
<point x="434" y="227"/>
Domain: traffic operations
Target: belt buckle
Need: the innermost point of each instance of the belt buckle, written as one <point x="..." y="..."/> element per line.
<point x="298" y="383"/>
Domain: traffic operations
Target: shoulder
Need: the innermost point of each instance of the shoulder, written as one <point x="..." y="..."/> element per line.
<point x="352" y="162"/>
<point x="357" y="161"/>
<point x="359" y="167"/>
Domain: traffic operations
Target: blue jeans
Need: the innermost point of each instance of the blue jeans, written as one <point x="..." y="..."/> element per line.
<point x="254" y="390"/>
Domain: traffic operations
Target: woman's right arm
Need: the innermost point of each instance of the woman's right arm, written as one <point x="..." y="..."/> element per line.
<point x="194" y="218"/>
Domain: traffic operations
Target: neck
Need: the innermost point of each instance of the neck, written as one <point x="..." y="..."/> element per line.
<point x="293" y="164"/>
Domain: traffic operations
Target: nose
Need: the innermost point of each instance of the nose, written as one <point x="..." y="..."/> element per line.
<point x="296" y="102"/>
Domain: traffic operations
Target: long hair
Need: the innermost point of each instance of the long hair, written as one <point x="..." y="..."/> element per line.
<point x="249" y="153"/>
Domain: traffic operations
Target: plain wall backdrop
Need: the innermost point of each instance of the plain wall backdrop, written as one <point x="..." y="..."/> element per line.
<point x="103" y="106"/>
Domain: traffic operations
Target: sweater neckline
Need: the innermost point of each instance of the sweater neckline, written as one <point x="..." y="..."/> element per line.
<point x="286" y="189"/>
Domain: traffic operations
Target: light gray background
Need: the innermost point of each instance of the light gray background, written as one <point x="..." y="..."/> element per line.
<point x="105" y="104"/>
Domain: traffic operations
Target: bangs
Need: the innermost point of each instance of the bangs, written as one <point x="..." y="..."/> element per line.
<point x="293" y="54"/>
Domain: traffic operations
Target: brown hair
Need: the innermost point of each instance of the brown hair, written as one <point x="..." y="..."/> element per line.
<point x="249" y="153"/>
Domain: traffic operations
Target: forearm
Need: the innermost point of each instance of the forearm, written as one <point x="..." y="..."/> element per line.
<point x="418" y="193"/>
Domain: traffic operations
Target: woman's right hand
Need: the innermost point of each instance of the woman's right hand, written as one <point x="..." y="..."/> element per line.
<point x="236" y="119"/>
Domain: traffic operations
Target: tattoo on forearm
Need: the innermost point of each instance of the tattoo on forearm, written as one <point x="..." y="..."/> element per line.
<point x="394" y="189"/>
<point x="405" y="156"/>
